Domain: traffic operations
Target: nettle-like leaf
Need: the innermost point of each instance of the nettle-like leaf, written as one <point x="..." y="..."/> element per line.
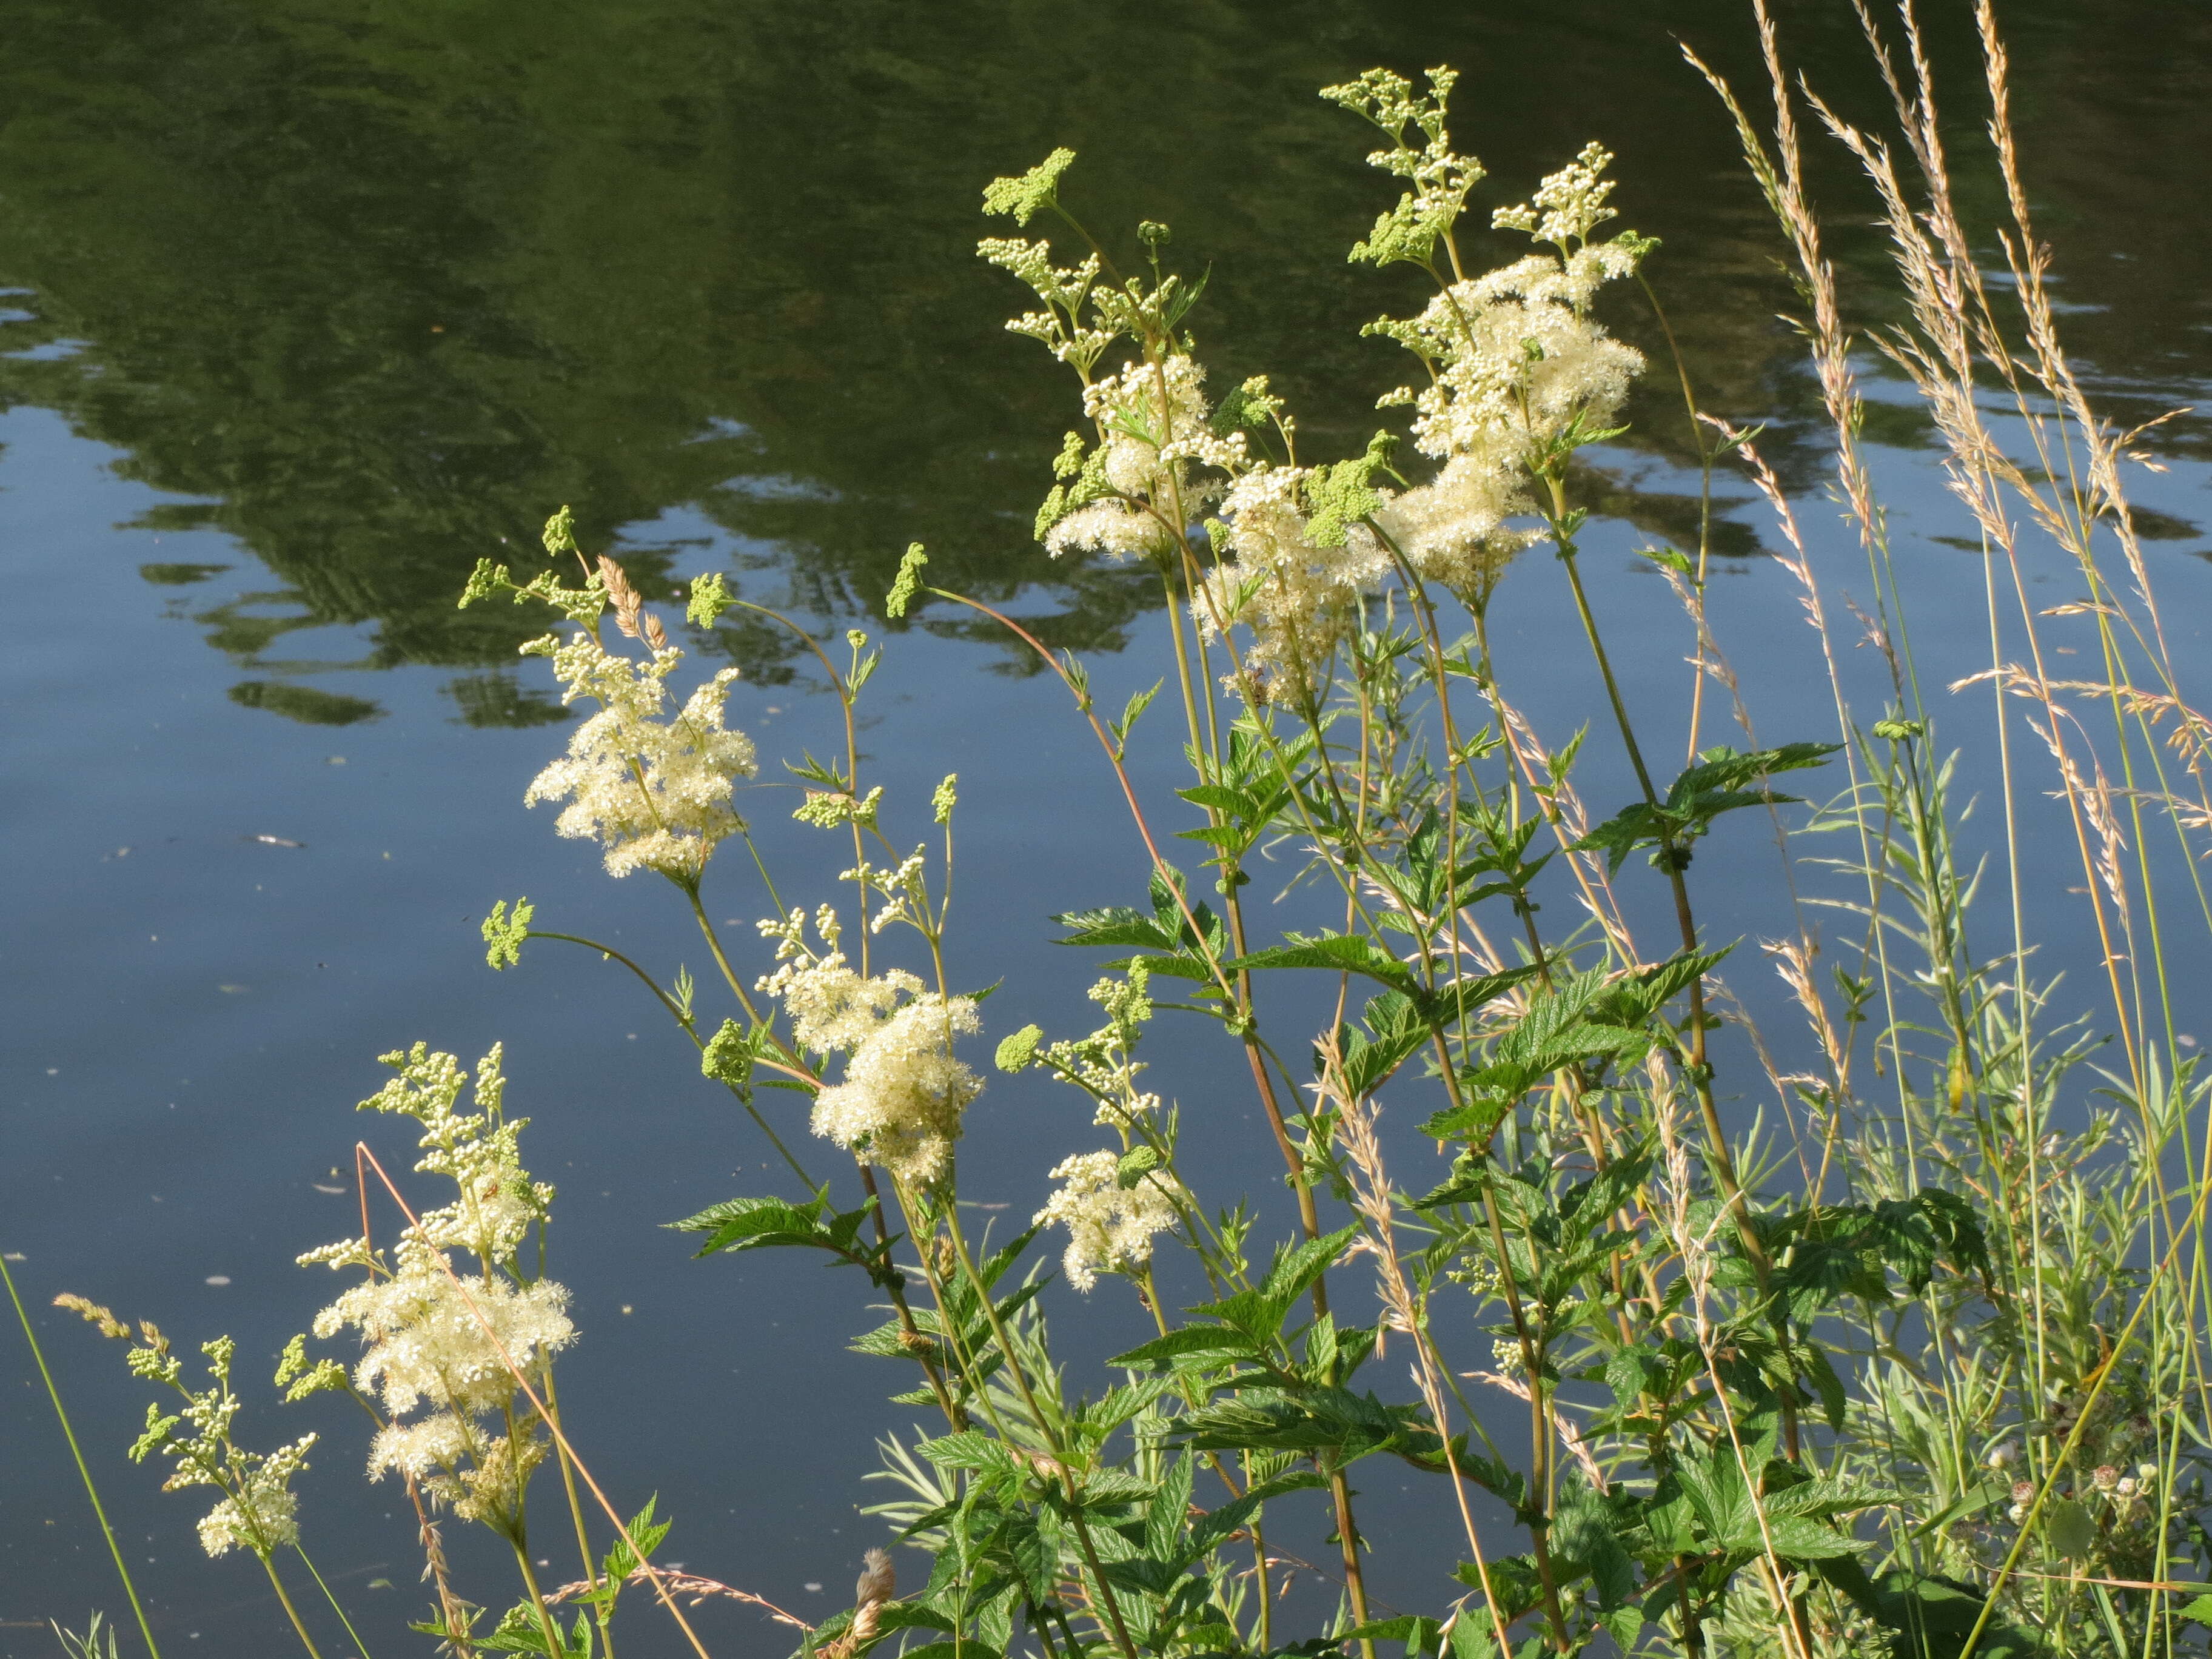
<point x="1370" y="1053"/>
<point x="1246" y="794"/>
<point x="622" y="1560"/>
<point x="1516" y="1581"/>
<point x="1349" y="953"/>
<point x="519" y="1631"/>
<point x="1929" y="1616"/>
<point x="1721" y="781"/>
<point x="1790" y="1519"/>
<point x="1585" y="1021"/>
<point x="754" y="1224"/>
<point x="1636" y="998"/>
<point x="1334" y="1423"/>
<point x="1210" y="1343"/>
<point x="1210" y="1531"/>
<point x="1173" y="946"/>
<point x="1850" y="1250"/>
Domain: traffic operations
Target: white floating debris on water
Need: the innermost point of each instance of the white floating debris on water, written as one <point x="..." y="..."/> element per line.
<point x="276" y="841"/>
<point x="218" y="1278"/>
<point x="336" y="760"/>
<point x="812" y="1588"/>
<point x="232" y="990"/>
<point x="16" y="1255"/>
<point x="319" y="1187"/>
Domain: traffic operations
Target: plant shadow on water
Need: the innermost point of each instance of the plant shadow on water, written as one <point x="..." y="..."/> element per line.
<point x="375" y="297"/>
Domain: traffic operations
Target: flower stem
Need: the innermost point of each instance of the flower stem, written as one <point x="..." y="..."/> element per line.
<point x="552" y="1631"/>
<point x="602" y="1614"/>
<point x="360" y="1646"/>
<point x="1044" y="1428"/>
<point x="291" y="1612"/>
<point x="1723" y="1162"/>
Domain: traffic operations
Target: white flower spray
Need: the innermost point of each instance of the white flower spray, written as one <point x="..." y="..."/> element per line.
<point x="903" y="1094"/>
<point x="258" y="1511"/>
<point x="1111" y="1223"/>
<point x="654" y="788"/>
<point x="1113" y="1204"/>
<point x="655" y="792"/>
<point x="449" y="1338"/>
<point x="1520" y="372"/>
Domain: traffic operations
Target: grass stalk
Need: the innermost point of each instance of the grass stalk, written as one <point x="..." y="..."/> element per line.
<point x="76" y="1455"/>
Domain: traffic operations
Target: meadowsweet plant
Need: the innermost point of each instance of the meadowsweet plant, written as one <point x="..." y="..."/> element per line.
<point x="258" y="1510"/>
<point x="1695" y="1347"/>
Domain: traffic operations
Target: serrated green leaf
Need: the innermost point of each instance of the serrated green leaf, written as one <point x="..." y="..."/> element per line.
<point x="1181" y="1343"/>
<point x="1114" y="924"/>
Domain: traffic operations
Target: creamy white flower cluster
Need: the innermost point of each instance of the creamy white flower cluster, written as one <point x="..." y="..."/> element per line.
<point x="1110" y="1227"/>
<point x="439" y="1339"/>
<point x="479" y="1151"/>
<point x="1064" y="290"/>
<point x="1154" y="422"/>
<point x="1300" y="600"/>
<point x="1568" y="204"/>
<point x="1518" y="365"/>
<point x="447" y="1338"/>
<point x="259" y="1510"/>
<point x="264" y="1516"/>
<point x="904" y="887"/>
<point x="902" y="1096"/>
<point x="656" y="791"/>
<point x="1441" y="178"/>
<point x="447" y="1343"/>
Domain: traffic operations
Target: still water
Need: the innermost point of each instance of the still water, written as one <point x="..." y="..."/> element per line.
<point x="309" y="306"/>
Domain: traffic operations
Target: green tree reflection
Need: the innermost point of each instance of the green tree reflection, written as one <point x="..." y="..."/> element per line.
<point x="378" y="289"/>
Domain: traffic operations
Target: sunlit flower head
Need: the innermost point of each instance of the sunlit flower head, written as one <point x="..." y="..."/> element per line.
<point x="903" y="1094"/>
<point x="654" y="791"/>
<point x="1298" y="599"/>
<point x="1110" y="1227"/>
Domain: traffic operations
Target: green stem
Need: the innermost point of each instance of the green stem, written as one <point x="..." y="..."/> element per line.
<point x="729" y="974"/>
<point x="1044" y="1427"/>
<point x="603" y="1613"/>
<point x="360" y="1646"/>
<point x="291" y="1612"/>
<point x="1724" y="1161"/>
<point x="83" y="1473"/>
<point x="552" y="1631"/>
<point x="896" y="1289"/>
<point x="667" y="1002"/>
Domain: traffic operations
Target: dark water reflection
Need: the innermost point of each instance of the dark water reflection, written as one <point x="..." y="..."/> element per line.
<point x="312" y="306"/>
<point x="377" y="291"/>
